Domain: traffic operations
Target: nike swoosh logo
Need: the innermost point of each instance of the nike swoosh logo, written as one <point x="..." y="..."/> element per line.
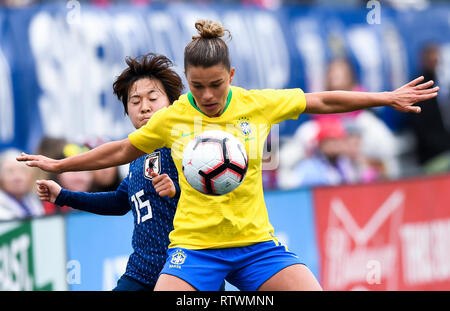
<point x="188" y="134"/>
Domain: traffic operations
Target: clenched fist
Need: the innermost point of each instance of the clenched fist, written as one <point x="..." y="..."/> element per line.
<point x="48" y="190"/>
<point x="163" y="185"/>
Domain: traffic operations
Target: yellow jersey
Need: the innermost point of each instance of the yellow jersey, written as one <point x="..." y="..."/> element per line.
<point x="240" y="217"/>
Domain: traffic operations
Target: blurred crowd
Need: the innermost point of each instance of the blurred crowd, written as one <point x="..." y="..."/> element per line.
<point x="18" y="197"/>
<point x="359" y="147"/>
<point x="326" y="150"/>
<point x="268" y="4"/>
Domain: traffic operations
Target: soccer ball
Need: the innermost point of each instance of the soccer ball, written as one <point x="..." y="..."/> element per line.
<point x="215" y="162"/>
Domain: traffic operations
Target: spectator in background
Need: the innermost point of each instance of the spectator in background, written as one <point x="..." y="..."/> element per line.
<point x="17" y="3"/>
<point x="377" y="142"/>
<point x="432" y="138"/>
<point x="329" y="163"/>
<point x="367" y="169"/>
<point x="51" y="147"/>
<point x="17" y="199"/>
<point x="74" y="181"/>
<point x="107" y="179"/>
<point x="96" y="181"/>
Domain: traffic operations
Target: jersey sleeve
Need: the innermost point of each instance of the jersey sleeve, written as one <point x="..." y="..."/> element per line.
<point x="151" y="136"/>
<point x="101" y="203"/>
<point x="280" y="105"/>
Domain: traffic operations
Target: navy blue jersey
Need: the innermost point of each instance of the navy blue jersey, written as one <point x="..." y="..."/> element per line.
<point x="153" y="214"/>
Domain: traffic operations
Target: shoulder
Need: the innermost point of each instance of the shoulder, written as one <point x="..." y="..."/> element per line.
<point x="241" y="93"/>
<point x="7" y="210"/>
<point x="249" y="97"/>
<point x="266" y="95"/>
<point x="34" y="204"/>
<point x="6" y="214"/>
<point x="180" y="105"/>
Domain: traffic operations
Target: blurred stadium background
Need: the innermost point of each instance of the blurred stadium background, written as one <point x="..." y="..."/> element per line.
<point x="376" y="217"/>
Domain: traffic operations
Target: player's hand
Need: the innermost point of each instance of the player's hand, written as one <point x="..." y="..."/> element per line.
<point x="44" y="163"/>
<point x="411" y="93"/>
<point x="163" y="185"/>
<point x="48" y="190"/>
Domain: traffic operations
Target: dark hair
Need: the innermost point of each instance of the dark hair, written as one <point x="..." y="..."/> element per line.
<point x="207" y="48"/>
<point x="152" y="66"/>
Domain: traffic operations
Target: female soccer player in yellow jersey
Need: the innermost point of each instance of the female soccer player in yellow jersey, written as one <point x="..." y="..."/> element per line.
<point x="228" y="236"/>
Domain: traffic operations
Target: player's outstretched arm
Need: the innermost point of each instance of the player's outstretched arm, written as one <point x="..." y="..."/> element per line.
<point x="402" y="99"/>
<point x="110" y="154"/>
<point x="112" y="203"/>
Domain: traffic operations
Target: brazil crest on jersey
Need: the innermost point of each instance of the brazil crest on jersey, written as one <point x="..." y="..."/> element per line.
<point x="238" y="218"/>
<point x="153" y="215"/>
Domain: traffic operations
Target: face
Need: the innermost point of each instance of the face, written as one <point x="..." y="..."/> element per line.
<point x="106" y="176"/>
<point x="145" y="97"/>
<point x="332" y="147"/>
<point x="353" y="145"/>
<point x="210" y="87"/>
<point x="76" y="181"/>
<point x="15" y="178"/>
<point x="339" y="76"/>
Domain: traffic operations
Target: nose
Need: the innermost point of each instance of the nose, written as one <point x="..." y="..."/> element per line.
<point x="146" y="106"/>
<point x="207" y="95"/>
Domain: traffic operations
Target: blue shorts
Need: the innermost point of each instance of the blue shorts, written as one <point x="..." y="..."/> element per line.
<point x="247" y="267"/>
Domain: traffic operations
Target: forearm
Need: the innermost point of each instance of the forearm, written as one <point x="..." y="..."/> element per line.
<point x="107" y="155"/>
<point x="401" y="99"/>
<point x="102" y="203"/>
<point x="344" y="101"/>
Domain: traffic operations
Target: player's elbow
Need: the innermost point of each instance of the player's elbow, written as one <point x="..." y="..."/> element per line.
<point x="315" y="103"/>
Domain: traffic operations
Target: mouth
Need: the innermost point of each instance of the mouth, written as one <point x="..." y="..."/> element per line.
<point x="210" y="107"/>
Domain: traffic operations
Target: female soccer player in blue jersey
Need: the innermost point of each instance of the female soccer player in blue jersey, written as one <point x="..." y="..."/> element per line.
<point x="151" y="188"/>
<point x="228" y="236"/>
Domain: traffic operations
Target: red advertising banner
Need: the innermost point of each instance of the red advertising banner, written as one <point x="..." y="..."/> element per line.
<point x="385" y="236"/>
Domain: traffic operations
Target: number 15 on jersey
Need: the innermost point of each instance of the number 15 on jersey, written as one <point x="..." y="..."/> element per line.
<point x="140" y="206"/>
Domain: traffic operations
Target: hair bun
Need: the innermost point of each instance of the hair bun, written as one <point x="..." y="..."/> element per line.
<point x="209" y="29"/>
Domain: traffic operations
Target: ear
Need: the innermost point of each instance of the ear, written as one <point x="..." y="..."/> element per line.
<point x="232" y="70"/>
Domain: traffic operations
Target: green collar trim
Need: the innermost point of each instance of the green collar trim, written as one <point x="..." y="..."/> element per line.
<point x="192" y="102"/>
